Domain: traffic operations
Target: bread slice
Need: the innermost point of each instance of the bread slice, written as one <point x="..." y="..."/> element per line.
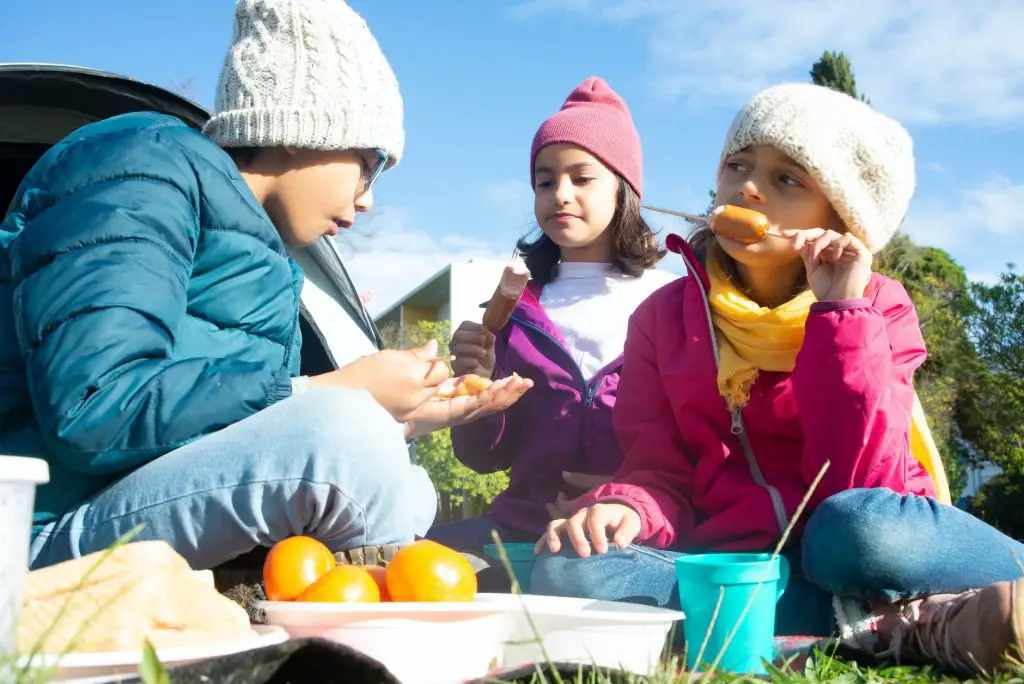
<point x="139" y="591"/>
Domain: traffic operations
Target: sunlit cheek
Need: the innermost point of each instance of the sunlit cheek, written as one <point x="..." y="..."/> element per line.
<point x="542" y="203"/>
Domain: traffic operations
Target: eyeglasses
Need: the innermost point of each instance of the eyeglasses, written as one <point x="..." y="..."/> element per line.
<point x="369" y="175"/>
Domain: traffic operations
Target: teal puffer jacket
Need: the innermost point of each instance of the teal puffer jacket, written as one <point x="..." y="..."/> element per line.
<point x="146" y="300"/>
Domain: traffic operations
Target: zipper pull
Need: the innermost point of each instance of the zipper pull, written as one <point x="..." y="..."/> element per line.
<point x="737" y="421"/>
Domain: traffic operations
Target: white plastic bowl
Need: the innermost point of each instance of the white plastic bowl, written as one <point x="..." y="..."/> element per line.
<point x="420" y="643"/>
<point x="618" y="635"/>
<point x="18" y="479"/>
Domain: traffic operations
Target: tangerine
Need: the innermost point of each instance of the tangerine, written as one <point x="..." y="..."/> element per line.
<point x="293" y="565"/>
<point x="343" y="584"/>
<point x="379" y="575"/>
<point x="428" y="571"/>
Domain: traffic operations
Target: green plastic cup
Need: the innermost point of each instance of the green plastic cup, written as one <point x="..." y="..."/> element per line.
<point x="520" y="557"/>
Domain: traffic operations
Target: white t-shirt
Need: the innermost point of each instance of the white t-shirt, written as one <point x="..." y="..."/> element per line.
<point x="591" y="305"/>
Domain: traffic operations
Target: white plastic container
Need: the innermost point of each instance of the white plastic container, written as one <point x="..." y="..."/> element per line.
<point x="618" y="635"/>
<point x="420" y="643"/>
<point x="18" y="479"/>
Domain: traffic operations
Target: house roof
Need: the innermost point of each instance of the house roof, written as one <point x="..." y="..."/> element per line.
<point x="432" y="292"/>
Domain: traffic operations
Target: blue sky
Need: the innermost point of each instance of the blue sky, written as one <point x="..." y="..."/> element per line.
<point x="479" y="77"/>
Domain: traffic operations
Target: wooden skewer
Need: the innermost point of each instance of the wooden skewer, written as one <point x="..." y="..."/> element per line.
<point x="698" y="219"/>
<point x="690" y="217"/>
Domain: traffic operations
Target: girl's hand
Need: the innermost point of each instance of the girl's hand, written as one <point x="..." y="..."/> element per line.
<point x="623" y="521"/>
<point x="437" y="415"/>
<point x="563" y="506"/>
<point x="838" y="265"/>
<point x="473" y="347"/>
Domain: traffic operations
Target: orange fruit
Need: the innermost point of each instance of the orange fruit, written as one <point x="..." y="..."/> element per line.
<point x="293" y="565"/>
<point x="379" y="576"/>
<point x="343" y="584"/>
<point x="428" y="571"/>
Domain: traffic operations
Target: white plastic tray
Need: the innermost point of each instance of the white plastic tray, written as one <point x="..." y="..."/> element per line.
<point x="97" y="666"/>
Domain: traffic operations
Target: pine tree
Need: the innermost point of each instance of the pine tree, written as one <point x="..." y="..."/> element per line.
<point x="834" y="71"/>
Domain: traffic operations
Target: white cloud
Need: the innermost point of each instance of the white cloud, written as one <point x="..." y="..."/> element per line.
<point x="982" y="219"/>
<point x="387" y="257"/>
<point x="983" y="277"/>
<point x="923" y="61"/>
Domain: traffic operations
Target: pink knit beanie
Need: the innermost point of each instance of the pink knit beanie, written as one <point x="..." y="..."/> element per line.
<point x="595" y="118"/>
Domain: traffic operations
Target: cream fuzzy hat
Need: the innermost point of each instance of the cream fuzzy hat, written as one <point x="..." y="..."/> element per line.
<point x="862" y="160"/>
<point x="307" y="74"/>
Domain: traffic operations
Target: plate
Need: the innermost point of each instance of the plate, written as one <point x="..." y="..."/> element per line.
<point x="309" y="614"/>
<point x="75" y="666"/>
<point x="585" y="610"/>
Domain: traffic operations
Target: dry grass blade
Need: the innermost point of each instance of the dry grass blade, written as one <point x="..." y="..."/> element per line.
<point x="507" y="564"/>
<point x="775" y="554"/>
<point x="707" y="634"/>
<point x="26" y="671"/>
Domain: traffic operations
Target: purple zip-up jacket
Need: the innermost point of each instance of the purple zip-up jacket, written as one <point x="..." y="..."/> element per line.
<point x="563" y="423"/>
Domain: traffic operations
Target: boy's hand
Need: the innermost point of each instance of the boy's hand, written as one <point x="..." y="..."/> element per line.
<point x="473" y="347"/>
<point x="400" y="381"/>
<point x="437" y="415"/>
<point x="838" y="265"/>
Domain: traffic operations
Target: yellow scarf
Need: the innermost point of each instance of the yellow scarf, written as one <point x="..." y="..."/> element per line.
<point x="753" y="338"/>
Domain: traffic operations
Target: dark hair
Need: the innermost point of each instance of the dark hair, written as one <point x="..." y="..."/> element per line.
<point x="244" y="157"/>
<point x="635" y="246"/>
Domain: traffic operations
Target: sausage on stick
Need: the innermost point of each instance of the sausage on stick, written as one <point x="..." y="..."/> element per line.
<point x="736" y="223"/>
<point x="506" y="296"/>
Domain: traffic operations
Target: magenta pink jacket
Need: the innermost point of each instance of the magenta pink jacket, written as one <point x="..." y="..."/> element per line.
<point x="848" y="401"/>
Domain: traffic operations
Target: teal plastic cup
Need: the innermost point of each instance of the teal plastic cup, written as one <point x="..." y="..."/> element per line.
<point x="520" y="557"/>
<point x="736" y="578"/>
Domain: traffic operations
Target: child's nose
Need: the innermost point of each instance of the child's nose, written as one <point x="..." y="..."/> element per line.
<point x="365" y="201"/>
<point x="564" y="193"/>
<point x="751" y="192"/>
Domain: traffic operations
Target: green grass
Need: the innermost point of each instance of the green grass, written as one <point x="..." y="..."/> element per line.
<point x="821" y="667"/>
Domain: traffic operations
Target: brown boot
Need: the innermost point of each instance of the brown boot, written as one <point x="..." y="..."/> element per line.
<point x="972" y="633"/>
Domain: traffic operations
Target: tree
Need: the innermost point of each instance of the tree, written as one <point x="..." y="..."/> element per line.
<point x="999" y="504"/>
<point x="834" y="71"/>
<point x="998" y="322"/>
<point x="458" y="487"/>
<point x="938" y="287"/>
<point x="994" y="418"/>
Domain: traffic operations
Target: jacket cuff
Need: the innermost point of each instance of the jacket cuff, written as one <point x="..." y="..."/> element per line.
<point x="841" y="305"/>
<point x="280" y="389"/>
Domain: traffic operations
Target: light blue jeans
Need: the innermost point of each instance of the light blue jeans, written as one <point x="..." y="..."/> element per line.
<point x="871" y="544"/>
<point x="328" y="463"/>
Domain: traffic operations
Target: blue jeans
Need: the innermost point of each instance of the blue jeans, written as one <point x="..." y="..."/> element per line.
<point x="872" y="544"/>
<point x="328" y="463"/>
<point x="472" y="534"/>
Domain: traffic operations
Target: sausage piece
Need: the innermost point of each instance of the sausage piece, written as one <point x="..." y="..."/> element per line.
<point x="739" y="224"/>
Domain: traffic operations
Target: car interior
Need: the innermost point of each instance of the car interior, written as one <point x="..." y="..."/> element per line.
<point x="42" y="103"/>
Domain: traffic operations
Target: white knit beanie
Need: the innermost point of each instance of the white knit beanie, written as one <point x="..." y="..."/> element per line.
<point x="862" y="160"/>
<point x="306" y="74"/>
